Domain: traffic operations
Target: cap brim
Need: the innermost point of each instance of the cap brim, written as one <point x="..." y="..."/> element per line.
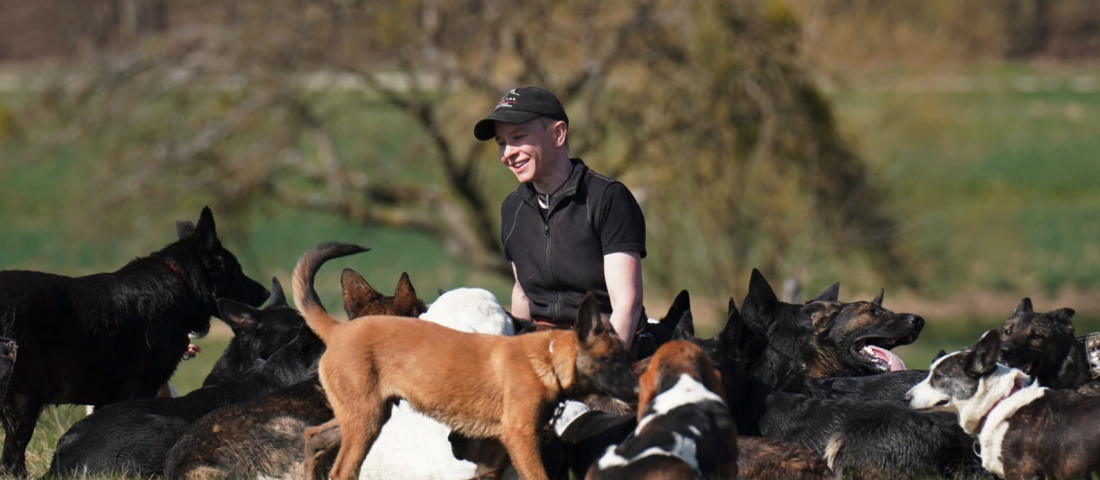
<point x="486" y="129"/>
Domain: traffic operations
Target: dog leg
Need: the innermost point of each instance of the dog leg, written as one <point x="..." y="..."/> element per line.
<point x="359" y="428"/>
<point x="20" y="417"/>
<point x="521" y="441"/>
<point x="321" y="443"/>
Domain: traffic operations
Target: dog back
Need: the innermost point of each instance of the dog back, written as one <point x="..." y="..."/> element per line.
<point x="684" y="430"/>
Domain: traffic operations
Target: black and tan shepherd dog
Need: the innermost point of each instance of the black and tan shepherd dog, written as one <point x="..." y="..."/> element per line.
<point x="103" y="338"/>
<point x="1044" y="346"/>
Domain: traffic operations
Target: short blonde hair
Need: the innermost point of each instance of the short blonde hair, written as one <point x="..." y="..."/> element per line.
<point x="548" y="123"/>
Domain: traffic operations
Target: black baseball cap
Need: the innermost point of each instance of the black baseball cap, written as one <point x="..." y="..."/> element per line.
<point x="521" y="105"/>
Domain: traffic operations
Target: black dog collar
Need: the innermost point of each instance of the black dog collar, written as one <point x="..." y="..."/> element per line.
<point x="1092" y="352"/>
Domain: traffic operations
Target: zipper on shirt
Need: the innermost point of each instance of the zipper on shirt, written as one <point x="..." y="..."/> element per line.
<point x="550" y="268"/>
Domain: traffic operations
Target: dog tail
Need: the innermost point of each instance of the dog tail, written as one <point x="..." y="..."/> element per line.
<point x="304" y="294"/>
<point x="832" y="449"/>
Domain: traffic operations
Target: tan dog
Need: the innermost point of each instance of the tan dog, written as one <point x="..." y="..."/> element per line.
<point x="482" y="386"/>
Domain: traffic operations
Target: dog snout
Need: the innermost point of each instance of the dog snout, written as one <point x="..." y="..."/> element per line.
<point x="1007" y="351"/>
<point x="916" y="321"/>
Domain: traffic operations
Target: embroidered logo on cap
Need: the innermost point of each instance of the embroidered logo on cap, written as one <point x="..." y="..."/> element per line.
<point x="509" y="99"/>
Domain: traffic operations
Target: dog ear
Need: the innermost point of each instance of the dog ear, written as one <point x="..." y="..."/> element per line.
<point x="760" y="292"/>
<point x="647" y="388"/>
<point x="676" y="311"/>
<point x="830" y="294"/>
<point x="404" y="299"/>
<point x="1064" y="316"/>
<point x="206" y="232"/>
<point x="184" y="229"/>
<point x="940" y="354"/>
<point x="685" y="328"/>
<point x="358" y="294"/>
<point x="731" y="333"/>
<point x="819" y="312"/>
<point x="877" y="301"/>
<point x="590" y="323"/>
<point x="1024" y="306"/>
<point x="982" y="359"/>
<point x="241" y="318"/>
<point x="277" y="298"/>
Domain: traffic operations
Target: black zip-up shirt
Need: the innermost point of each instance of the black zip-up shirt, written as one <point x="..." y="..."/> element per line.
<point x="558" y="251"/>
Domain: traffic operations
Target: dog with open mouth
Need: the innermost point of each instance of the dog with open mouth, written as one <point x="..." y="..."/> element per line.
<point x="831" y="339"/>
<point x="852" y="339"/>
<point x="1024" y="430"/>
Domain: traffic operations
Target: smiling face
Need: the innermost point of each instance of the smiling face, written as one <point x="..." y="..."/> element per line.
<point x="532" y="150"/>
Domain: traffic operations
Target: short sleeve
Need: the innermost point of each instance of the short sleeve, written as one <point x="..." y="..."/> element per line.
<point x="622" y="226"/>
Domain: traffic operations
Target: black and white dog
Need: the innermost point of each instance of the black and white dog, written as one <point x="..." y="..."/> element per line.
<point x="1024" y="430"/>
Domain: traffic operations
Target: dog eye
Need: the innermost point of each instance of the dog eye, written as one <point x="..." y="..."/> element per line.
<point x="1008" y="331"/>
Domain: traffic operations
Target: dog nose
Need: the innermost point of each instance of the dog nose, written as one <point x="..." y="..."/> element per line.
<point x="1006" y="350"/>
<point x="916" y="321"/>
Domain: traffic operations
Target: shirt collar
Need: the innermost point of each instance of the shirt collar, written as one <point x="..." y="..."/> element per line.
<point x="567" y="189"/>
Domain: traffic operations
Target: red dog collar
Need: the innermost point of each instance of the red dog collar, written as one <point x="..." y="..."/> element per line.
<point x="178" y="274"/>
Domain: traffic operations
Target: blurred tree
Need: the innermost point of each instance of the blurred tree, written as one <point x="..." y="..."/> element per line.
<point x="702" y="106"/>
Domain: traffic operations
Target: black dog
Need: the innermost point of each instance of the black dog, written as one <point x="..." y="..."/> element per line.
<point x="255" y="338"/>
<point x="1043" y="345"/>
<point x="873" y="438"/>
<point x="108" y="337"/>
<point x="9" y="350"/>
<point x="133" y="437"/>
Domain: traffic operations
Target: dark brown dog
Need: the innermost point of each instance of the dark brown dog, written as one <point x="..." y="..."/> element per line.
<point x="479" y="385"/>
<point x="685" y="429"/>
<point x="265" y="437"/>
<point x="760" y="458"/>
<point x="1044" y="346"/>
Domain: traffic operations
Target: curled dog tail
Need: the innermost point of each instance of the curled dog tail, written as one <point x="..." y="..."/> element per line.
<point x="306" y="297"/>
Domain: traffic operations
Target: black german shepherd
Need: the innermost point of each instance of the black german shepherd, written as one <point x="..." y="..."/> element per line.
<point x="108" y="337"/>
<point x="133" y="437"/>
